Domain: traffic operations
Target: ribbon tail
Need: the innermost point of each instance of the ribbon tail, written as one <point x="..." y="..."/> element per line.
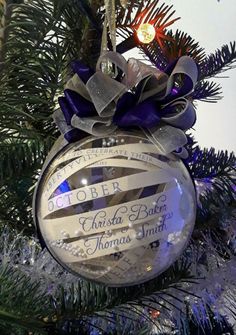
<point x="70" y="133"/>
<point x="181" y="153"/>
<point x="167" y="139"/>
<point x="76" y="84"/>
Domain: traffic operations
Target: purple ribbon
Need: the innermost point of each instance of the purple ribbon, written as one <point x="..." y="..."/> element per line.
<point x="129" y="113"/>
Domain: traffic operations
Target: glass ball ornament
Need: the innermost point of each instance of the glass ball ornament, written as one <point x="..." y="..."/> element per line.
<point x="114" y="210"/>
<point x="146" y="33"/>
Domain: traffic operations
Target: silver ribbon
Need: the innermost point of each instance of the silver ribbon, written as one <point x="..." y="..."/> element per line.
<point x="104" y="92"/>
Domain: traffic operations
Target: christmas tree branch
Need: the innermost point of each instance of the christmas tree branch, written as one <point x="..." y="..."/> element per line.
<point x="19" y="156"/>
<point x="29" y="86"/>
<point x="90" y="10"/>
<point x="208" y="163"/>
<point x="80" y="302"/>
<point x="220" y="61"/>
<point x="207" y="91"/>
<point x="20" y="162"/>
<point x="214" y="175"/>
<point x="20" y="301"/>
<point x="181" y="44"/>
<point x="5" y="20"/>
<point x="101" y="298"/>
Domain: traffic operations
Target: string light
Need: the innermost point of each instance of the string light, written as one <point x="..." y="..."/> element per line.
<point x="146" y="33"/>
<point x="155" y="314"/>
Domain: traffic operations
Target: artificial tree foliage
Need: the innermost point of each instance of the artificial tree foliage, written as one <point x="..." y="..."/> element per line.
<point x="39" y="40"/>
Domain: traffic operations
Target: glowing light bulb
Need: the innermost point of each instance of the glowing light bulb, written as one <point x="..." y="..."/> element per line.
<point x="155" y="314"/>
<point x="146" y="33"/>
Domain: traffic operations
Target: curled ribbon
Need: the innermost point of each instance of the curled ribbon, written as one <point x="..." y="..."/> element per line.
<point x="145" y="97"/>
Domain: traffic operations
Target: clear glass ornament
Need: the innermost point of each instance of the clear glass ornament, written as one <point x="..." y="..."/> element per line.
<point x="114" y="210"/>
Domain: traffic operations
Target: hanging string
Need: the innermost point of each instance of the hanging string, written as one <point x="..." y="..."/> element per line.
<point x="110" y="27"/>
<point x="124" y="3"/>
<point x="109" y="24"/>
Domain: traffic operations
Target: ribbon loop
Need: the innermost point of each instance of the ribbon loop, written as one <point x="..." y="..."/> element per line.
<point x="167" y="138"/>
<point x="94" y="126"/>
<point x="103" y="90"/>
<point x="181" y="114"/>
<point x="77" y="85"/>
<point x="115" y="58"/>
<point x="186" y="70"/>
<point x="137" y="71"/>
<point x="186" y="66"/>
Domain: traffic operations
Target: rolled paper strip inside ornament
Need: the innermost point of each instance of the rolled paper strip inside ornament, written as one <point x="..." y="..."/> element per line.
<point x="112" y="273"/>
<point x="126" y="214"/>
<point x="122" y="228"/>
<point x="123" y="163"/>
<point x="86" y="193"/>
<point x="151" y="231"/>
<point x="127" y="150"/>
<point x="84" y="158"/>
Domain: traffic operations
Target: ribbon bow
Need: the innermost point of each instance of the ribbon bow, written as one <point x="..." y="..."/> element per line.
<point x="146" y="97"/>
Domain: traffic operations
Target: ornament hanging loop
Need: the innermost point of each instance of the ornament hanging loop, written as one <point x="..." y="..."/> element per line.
<point x="109" y="26"/>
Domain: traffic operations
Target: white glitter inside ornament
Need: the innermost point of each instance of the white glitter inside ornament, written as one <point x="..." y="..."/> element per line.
<point x="120" y="228"/>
